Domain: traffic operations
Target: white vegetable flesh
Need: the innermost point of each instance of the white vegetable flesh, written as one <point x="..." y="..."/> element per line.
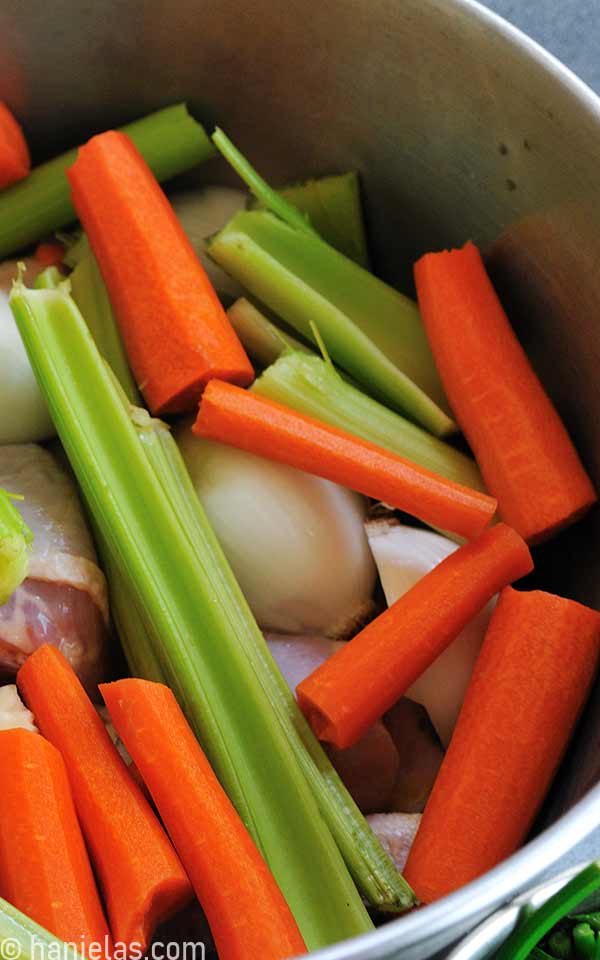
<point x="296" y="543"/>
<point x="203" y="212"/>
<point x="24" y="416"/>
<point x="13" y="712"/>
<point x="403" y="556"/>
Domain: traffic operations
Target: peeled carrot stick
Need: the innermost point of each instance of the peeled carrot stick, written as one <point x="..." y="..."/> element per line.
<point x="523" y="450"/>
<point x="50" y="254"/>
<point x="44" y="867"/>
<point x="14" y="152"/>
<point x="348" y="692"/>
<point x="176" y="333"/>
<point x="245" y="908"/>
<point x="141" y="877"/>
<point x="267" y="428"/>
<point x="530" y="682"/>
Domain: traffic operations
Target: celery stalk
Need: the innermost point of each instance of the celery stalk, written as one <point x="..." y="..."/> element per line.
<point x="49" y="278"/>
<point x="23" y="939"/>
<point x="272" y="199"/>
<point x="333" y="206"/>
<point x="91" y="296"/>
<point x="170" y="141"/>
<point x="313" y="387"/>
<point x="262" y="339"/>
<point x="371" y="331"/>
<point x="15" y="544"/>
<point x="186" y="594"/>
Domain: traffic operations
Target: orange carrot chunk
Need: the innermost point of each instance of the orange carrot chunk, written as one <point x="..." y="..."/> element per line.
<point x="529" y="685"/>
<point x="14" y="152"/>
<point x="50" y="254"/>
<point x="245" y="908"/>
<point x="348" y="692"/>
<point x="523" y="450"/>
<point x="175" y="331"/>
<point x="44" y="867"/>
<point x="140" y="875"/>
<point x="267" y="428"/>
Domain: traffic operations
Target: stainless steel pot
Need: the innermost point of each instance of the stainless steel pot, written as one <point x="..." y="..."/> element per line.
<point x="461" y="127"/>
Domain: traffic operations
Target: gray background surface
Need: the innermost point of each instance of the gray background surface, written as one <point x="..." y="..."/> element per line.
<point x="570" y="29"/>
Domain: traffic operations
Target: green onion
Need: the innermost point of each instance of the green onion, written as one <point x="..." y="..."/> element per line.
<point x="371" y="331"/>
<point x="537" y="924"/>
<point x="15" y="544"/>
<point x="192" y="609"/>
<point x="272" y="199"/>
<point x="170" y="140"/>
<point x="312" y="386"/>
<point x="262" y="339"/>
<point x="334" y="208"/>
<point x="22" y="939"/>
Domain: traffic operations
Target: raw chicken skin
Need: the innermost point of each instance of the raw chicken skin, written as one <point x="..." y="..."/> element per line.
<point x="45" y="612"/>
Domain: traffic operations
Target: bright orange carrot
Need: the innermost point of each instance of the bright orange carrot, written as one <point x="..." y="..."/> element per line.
<point x="245" y="908"/>
<point x="44" y="867"/>
<point x="260" y="425"/>
<point x="526" y="457"/>
<point x="14" y="152"/>
<point x="176" y="333"/>
<point x="140" y="875"/>
<point x="530" y="682"/>
<point x="50" y="254"/>
<point x="347" y="693"/>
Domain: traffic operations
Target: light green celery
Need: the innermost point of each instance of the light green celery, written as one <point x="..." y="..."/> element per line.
<point x="49" y="278"/>
<point x="170" y="141"/>
<point x="15" y="545"/>
<point x="373" y="332"/>
<point x="272" y="199"/>
<point x="262" y="339"/>
<point x="185" y="596"/>
<point x="334" y="208"/>
<point x="91" y="296"/>
<point x="313" y="387"/>
<point x="23" y="939"/>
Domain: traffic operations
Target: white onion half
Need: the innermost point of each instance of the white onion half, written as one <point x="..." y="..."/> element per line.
<point x="296" y="543"/>
<point x="403" y="555"/>
<point x="203" y="212"/>
<point x="24" y="416"/>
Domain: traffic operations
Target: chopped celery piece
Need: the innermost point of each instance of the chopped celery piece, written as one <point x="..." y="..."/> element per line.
<point x="23" y="939"/>
<point x="272" y="199"/>
<point x="170" y="141"/>
<point x="373" y="332"/>
<point x="313" y="387"/>
<point x="261" y="338"/>
<point x="192" y="609"/>
<point x="49" y="278"/>
<point x="333" y="206"/>
<point x="91" y="296"/>
<point x="15" y="544"/>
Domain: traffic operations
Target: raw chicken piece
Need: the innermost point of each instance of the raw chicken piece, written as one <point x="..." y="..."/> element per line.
<point x="64" y="600"/>
<point x="396" y="832"/>
<point x="13" y="712"/>
<point x="421" y="753"/>
<point x="370" y="768"/>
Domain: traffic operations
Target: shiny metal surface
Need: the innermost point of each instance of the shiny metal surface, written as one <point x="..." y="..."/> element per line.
<point x="461" y="127"/>
<point x="487" y="938"/>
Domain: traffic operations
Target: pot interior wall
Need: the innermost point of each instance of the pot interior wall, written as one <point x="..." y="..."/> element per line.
<point x="457" y="131"/>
